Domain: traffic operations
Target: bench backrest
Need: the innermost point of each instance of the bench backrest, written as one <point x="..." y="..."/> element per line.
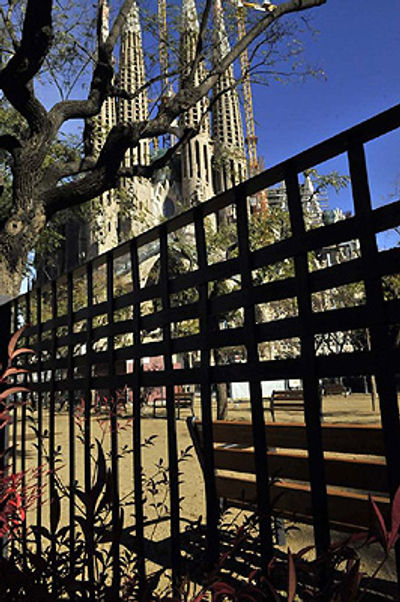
<point x="354" y="465"/>
<point x="335" y="386"/>
<point x="287" y="395"/>
<point x="341" y="438"/>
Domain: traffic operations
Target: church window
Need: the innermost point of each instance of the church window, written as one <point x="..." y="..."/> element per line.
<point x="184" y="163"/>
<point x="197" y="146"/>
<point x="190" y="161"/>
<point x="232" y="170"/>
<point x="225" y="179"/>
<point x="206" y="163"/>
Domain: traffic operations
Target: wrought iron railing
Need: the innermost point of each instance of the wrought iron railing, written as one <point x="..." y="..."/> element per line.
<point x="90" y="324"/>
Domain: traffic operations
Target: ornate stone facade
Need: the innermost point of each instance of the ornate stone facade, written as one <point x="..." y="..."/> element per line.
<point x="212" y="161"/>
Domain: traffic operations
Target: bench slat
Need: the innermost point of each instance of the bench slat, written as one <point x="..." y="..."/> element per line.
<point x="349" y="479"/>
<point x="346" y="509"/>
<point x="345" y="472"/>
<point x="336" y="389"/>
<point x="343" y="438"/>
<point x="287" y="395"/>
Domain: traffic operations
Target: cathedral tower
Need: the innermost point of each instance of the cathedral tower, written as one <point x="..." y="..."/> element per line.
<point x="197" y="185"/>
<point x="132" y="77"/>
<point x="229" y="152"/>
<point x="103" y="230"/>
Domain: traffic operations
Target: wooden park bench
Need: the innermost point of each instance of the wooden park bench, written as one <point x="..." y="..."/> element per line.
<point x="336" y="389"/>
<point x="354" y="467"/>
<point x="183" y="399"/>
<point x="291" y="400"/>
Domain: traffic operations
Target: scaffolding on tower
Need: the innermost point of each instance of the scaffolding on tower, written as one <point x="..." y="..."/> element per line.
<point x="251" y="138"/>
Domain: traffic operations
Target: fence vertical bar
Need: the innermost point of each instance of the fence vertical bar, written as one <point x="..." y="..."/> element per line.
<point x="51" y="395"/>
<point x="39" y="399"/>
<point x="71" y="423"/>
<point x="116" y="529"/>
<point x="23" y="442"/>
<point x="137" y="425"/>
<point x="5" y="325"/>
<point x="15" y="415"/>
<point x="213" y="538"/>
<point x="385" y="369"/>
<point x="312" y="396"/>
<point x="87" y="428"/>
<point x="257" y="408"/>
<point x="171" y="418"/>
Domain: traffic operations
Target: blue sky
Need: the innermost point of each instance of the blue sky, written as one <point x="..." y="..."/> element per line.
<point x="359" y="49"/>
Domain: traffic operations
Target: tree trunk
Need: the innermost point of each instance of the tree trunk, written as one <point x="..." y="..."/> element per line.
<point x="374" y="391"/>
<point x="221" y="389"/>
<point x="18" y="238"/>
<point x="10" y="282"/>
<point x="222" y="401"/>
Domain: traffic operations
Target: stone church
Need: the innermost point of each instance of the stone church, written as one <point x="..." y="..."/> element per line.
<point x="214" y="160"/>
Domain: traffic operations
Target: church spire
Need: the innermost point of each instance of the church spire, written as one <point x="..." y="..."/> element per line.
<point x="103" y="23"/>
<point x="229" y="151"/>
<point x="220" y="38"/>
<point x="190" y="21"/>
<point x="132" y="77"/>
<point x="132" y="23"/>
<point x="103" y="230"/>
<point x="197" y="153"/>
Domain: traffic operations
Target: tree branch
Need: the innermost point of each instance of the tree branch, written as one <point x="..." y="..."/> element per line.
<point x="106" y="173"/>
<point x="199" y="45"/>
<point x="118" y="25"/>
<point x="16" y="76"/>
<point x="57" y="172"/>
<point x="116" y="92"/>
<point x="75" y="193"/>
<point x="37" y="36"/>
<point x="147" y="171"/>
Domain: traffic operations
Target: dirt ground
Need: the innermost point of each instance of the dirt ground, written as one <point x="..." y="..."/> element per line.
<point x="353" y="409"/>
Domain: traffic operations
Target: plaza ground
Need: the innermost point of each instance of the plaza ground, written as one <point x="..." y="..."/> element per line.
<point x="336" y="409"/>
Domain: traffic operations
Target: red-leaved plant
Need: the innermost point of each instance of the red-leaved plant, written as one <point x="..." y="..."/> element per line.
<point x="13" y="371"/>
<point x="15" y="496"/>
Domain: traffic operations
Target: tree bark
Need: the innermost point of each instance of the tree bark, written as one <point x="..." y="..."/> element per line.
<point x="221" y="389"/>
<point x="10" y="281"/>
<point x="222" y="401"/>
<point x="374" y="390"/>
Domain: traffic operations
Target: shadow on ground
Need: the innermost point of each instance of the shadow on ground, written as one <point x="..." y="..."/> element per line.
<point x="240" y="560"/>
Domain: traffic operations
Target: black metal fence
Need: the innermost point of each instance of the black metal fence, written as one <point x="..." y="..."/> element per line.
<point x="93" y="327"/>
